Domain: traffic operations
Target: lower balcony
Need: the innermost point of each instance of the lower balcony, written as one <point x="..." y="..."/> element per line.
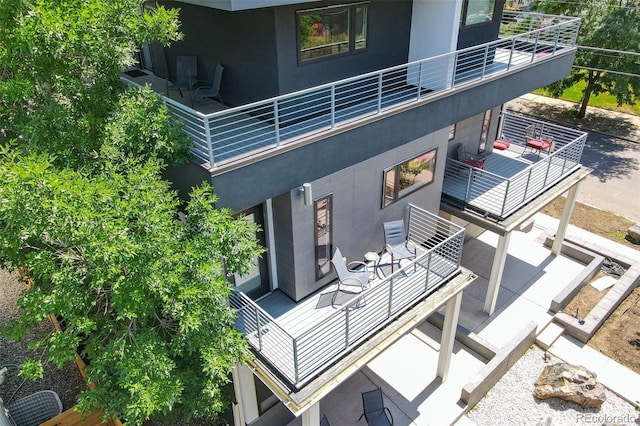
<point x="300" y="340"/>
<point x="539" y="156"/>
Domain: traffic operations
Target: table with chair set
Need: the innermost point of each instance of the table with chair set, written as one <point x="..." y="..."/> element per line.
<point x="356" y="276"/>
<point x="187" y="81"/>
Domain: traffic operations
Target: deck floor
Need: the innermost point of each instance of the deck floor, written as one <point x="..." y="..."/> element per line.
<point x="487" y="191"/>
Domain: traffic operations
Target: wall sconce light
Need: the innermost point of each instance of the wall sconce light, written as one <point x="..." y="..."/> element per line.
<point x="305" y="189"/>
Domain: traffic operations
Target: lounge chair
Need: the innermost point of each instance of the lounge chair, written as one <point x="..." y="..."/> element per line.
<point x="35" y="408"/>
<point x="349" y="280"/>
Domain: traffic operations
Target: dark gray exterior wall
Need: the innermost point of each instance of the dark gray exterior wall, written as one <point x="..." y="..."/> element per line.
<point x="242" y="41"/>
<point x="258" y="47"/>
<point x="387" y="45"/>
<point x="253" y="183"/>
<point x="357" y="213"/>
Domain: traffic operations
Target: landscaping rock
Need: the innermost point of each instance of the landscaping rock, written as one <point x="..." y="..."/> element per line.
<point x="571" y="383"/>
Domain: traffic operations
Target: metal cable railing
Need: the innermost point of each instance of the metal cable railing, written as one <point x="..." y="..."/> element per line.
<point x="229" y="135"/>
<point x="299" y="358"/>
<point x="501" y="195"/>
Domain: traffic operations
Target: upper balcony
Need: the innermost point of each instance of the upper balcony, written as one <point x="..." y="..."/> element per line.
<point x="300" y="340"/>
<point x="511" y="178"/>
<point x="229" y="137"/>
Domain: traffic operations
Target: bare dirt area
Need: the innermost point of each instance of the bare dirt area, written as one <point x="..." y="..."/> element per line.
<point x="586" y="299"/>
<point x="596" y="221"/>
<point x="619" y="336"/>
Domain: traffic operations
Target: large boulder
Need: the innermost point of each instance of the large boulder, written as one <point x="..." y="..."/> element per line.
<point x="570" y="382"/>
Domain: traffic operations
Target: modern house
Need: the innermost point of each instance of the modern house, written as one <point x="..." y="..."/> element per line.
<point x="340" y="116"/>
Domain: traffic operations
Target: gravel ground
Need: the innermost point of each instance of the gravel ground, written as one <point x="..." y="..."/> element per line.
<point x="511" y="402"/>
<point x="67" y="383"/>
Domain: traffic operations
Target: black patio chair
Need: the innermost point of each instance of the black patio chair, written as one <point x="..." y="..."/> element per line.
<point x="375" y="413"/>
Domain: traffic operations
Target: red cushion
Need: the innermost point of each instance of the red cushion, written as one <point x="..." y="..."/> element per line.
<point x="538" y="144"/>
<point x="500" y="144"/>
<point x="475" y="163"/>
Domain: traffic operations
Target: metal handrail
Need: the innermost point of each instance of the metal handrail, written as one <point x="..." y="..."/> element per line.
<point x="508" y="193"/>
<point x="235" y="133"/>
<point x="317" y="347"/>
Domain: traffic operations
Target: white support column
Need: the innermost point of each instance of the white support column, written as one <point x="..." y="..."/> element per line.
<point x="246" y="408"/>
<point x="311" y="417"/>
<point x="561" y="232"/>
<point x="497" y="268"/>
<point x="448" y="338"/>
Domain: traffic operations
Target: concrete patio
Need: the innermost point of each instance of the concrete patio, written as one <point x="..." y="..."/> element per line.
<point x="406" y="372"/>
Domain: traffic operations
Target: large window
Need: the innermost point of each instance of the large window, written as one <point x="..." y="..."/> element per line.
<point x="330" y="31"/>
<point x="323" y="235"/>
<point x="477" y="12"/>
<point x="406" y="177"/>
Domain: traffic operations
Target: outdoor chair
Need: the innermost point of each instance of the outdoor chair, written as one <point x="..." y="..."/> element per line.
<point x="469" y="159"/>
<point x="536" y="140"/>
<point x="349" y="280"/>
<point x="213" y="90"/>
<point x="35" y="408"/>
<point x="375" y="413"/>
<point x="397" y="244"/>
<point x="186" y="74"/>
<point x="324" y="421"/>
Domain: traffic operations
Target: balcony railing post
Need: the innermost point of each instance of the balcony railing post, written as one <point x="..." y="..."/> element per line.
<point x="346" y="327"/>
<point x="466" y="192"/>
<point x="426" y="277"/>
<point x="390" y="295"/>
<point x="535" y="47"/>
<point x="296" y="369"/>
<point x="419" y="80"/>
<point x="207" y="135"/>
<point x="276" y="121"/>
<point x="506" y="195"/>
<point x="333" y="106"/>
<point x="379" y="92"/>
<point x="513" y="47"/>
<point x="526" y="187"/>
<point x="486" y="59"/>
<point x="546" y="175"/>
<point x="258" y="330"/>
<point x="557" y="38"/>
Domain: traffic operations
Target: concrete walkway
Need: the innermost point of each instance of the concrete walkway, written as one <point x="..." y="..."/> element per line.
<point x="406" y="372"/>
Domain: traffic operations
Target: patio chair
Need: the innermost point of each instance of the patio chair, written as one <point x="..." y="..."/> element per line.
<point x="397" y="244"/>
<point x="213" y="90"/>
<point x="469" y="159"/>
<point x="324" y="421"/>
<point x="375" y="413"/>
<point x="35" y="408"/>
<point x="349" y="280"/>
<point x="186" y="74"/>
<point x="536" y="140"/>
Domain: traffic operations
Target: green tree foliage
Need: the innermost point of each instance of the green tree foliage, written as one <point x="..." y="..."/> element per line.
<point x="84" y="213"/>
<point x="607" y="24"/>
